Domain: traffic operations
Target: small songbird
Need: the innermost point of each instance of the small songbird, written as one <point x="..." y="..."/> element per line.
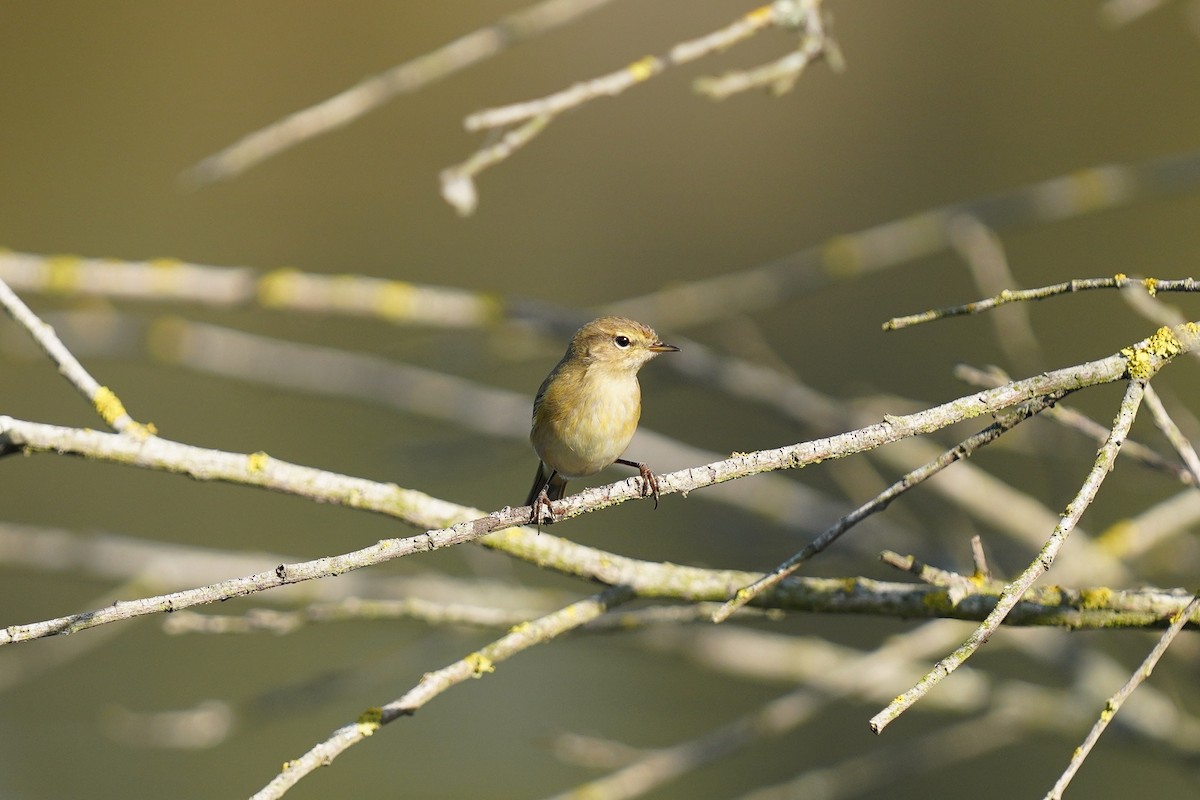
<point x="589" y="406"/>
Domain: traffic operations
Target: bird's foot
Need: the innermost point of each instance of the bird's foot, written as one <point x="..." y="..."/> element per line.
<point x="649" y="480"/>
<point x="649" y="483"/>
<point x="542" y="510"/>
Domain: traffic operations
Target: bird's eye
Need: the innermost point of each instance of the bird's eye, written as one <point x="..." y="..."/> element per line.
<point x="621" y="341"/>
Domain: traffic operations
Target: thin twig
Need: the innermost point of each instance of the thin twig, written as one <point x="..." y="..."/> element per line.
<point x="106" y="403"/>
<point x="919" y="235"/>
<point x="1076" y="420"/>
<point x="983" y="252"/>
<point x="525" y="120"/>
<point x="475" y="665"/>
<point x="958" y="587"/>
<point x="1119" y="281"/>
<point x="1014" y="591"/>
<point x="1183" y="447"/>
<point x="780" y="76"/>
<point x="979" y="559"/>
<point x="1117" y="700"/>
<point x="369" y="94"/>
<point x="881" y="501"/>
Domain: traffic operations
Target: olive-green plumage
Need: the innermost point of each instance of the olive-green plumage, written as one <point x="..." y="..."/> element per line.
<point x="588" y="407"/>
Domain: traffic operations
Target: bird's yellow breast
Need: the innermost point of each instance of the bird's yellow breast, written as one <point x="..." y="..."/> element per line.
<point x="584" y="420"/>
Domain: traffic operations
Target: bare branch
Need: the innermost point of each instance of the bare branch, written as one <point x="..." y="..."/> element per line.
<point x="366" y="96"/>
<point x="475" y="665"/>
<point x="104" y="400"/>
<point x="1015" y="590"/>
<point x="1115" y="702"/>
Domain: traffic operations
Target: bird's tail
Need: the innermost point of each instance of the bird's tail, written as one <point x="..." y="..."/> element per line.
<point x="554" y="484"/>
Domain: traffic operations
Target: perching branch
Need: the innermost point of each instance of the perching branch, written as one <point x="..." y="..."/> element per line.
<point x="881" y="501"/>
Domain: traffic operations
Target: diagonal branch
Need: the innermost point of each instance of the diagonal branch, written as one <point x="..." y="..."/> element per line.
<point x="1178" y="620"/>
<point x="881" y="501"/>
<point x="1014" y="591"/>
<point x="106" y="403"/>
<point x="475" y="665"/>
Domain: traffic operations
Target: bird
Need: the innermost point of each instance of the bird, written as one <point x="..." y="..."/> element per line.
<point x="588" y="407"/>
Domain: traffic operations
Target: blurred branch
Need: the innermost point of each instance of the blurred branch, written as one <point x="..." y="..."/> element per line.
<point x="1171" y="431"/>
<point x="983" y="252"/>
<point x="919" y="235"/>
<point x="475" y="665"/>
<point x="432" y="394"/>
<point x="1085" y="608"/>
<point x="146" y="565"/>
<point x="1123" y="12"/>
<point x="366" y="96"/>
<point x="527" y="119"/>
<point x="268" y="620"/>
<point x="1086" y="191"/>
<point x="171" y="280"/>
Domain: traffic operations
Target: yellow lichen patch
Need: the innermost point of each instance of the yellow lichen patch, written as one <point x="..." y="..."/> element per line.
<point x="395" y="300"/>
<point x="644" y="68"/>
<point x="480" y="664"/>
<point x="1115" y="540"/>
<point x="1120" y="277"/>
<point x="1095" y="598"/>
<point x="761" y="15"/>
<point x="938" y="600"/>
<point x="1144" y="359"/>
<point x="842" y="257"/>
<point x="1049" y="596"/>
<point x="1151" y="285"/>
<point x="491" y="307"/>
<point x="139" y="431"/>
<point x="166" y="273"/>
<point x="369" y="721"/>
<point x="277" y="287"/>
<point x="164" y="338"/>
<point x="257" y="462"/>
<point x="520" y="627"/>
<point x="1092" y="188"/>
<point x="62" y="273"/>
<point x="108" y="406"/>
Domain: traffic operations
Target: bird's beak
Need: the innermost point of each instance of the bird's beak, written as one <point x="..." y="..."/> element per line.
<point x="659" y="347"/>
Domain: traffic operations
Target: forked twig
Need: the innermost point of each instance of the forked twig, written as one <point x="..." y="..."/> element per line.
<point x="962" y="450"/>
<point x="1015" y="590"/>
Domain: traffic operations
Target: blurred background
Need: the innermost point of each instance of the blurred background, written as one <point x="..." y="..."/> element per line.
<point x="108" y="104"/>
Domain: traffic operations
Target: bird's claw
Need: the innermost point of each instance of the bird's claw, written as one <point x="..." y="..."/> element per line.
<point x="542" y="510"/>
<point x="649" y="483"/>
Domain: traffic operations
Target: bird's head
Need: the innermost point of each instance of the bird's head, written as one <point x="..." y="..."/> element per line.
<point x="618" y="343"/>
